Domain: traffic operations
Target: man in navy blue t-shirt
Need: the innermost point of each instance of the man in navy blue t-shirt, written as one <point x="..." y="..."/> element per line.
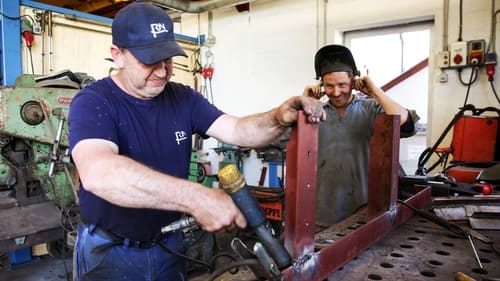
<point x="130" y="139"/>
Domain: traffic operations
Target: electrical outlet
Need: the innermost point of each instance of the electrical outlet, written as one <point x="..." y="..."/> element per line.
<point x="476" y="51"/>
<point x="37" y="29"/>
<point x="443" y="77"/>
<point x="458" y="54"/>
<point x="444" y="59"/>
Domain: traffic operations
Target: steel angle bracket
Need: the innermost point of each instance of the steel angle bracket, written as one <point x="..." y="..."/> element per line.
<point x="382" y="215"/>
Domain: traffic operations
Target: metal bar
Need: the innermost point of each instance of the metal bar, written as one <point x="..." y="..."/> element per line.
<point x="320" y="265"/>
<point x="300" y="200"/>
<point x="76" y="15"/>
<point x="82" y="16"/>
<point x="384" y="164"/>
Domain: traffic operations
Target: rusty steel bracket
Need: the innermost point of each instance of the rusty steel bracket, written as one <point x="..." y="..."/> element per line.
<point x="382" y="215"/>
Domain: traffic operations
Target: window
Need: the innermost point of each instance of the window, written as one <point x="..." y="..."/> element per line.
<point x="386" y="52"/>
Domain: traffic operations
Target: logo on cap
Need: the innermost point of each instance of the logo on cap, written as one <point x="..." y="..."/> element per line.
<point x="157" y="28"/>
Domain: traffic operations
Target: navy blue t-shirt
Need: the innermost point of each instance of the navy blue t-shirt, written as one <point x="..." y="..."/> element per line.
<point x="156" y="133"/>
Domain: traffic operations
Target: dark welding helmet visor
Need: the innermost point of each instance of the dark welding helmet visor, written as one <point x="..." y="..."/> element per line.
<point x="334" y="58"/>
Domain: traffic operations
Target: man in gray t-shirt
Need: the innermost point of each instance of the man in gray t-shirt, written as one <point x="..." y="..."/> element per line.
<point x="344" y="138"/>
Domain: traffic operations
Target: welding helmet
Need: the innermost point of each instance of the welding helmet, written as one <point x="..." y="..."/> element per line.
<point x="334" y="58"/>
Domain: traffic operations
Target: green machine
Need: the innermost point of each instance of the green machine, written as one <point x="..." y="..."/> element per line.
<point x="38" y="202"/>
<point x="200" y="170"/>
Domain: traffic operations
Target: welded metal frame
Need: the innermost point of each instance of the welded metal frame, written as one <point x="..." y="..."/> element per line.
<point x="383" y="213"/>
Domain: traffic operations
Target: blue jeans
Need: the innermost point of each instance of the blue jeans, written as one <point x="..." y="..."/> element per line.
<point x="121" y="262"/>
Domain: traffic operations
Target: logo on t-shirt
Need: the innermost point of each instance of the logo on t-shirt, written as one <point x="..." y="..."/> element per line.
<point x="180" y="136"/>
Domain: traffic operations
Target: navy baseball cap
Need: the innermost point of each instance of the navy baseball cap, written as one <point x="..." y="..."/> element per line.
<point x="146" y="31"/>
<point x="334" y="58"/>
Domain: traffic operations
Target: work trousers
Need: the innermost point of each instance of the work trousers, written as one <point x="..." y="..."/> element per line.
<point x="125" y="262"/>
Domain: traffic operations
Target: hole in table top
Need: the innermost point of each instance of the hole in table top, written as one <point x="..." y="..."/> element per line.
<point x="488" y="251"/>
<point x="480" y="270"/>
<point x="435" y="262"/>
<point x="386" y="265"/>
<point x="428" y="273"/>
<point x="397" y="255"/>
<point x="484" y="260"/>
<point x="374" y="277"/>
<point x="442" y="253"/>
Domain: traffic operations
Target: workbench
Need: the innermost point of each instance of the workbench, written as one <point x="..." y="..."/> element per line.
<point x="417" y="250"/>
<point x="386" y="240"/>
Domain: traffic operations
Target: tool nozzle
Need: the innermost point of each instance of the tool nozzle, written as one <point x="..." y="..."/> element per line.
<point x="179" y="224"/>
<point x="231" y="179"/>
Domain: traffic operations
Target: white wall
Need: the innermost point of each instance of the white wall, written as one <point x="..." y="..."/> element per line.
<point x="266" y="55"/>
<point x="261" y="57"/>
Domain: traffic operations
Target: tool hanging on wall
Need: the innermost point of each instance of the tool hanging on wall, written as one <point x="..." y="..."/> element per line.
<point x="27" y="33"/>
<point x="207" y="72"/>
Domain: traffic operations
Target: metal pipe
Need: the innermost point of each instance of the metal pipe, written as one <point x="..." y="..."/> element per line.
<point x="475" y="251"/>
<point x="42" y="24"/>
<point x="76" y="26"/>
<point x="198" y="7"/>
<point x="491" y="45"/>
<point x="325" y="20"/>
<point x="317" y="24"/>
<point x="446" y="12"/>
<point x="49" y="33"/>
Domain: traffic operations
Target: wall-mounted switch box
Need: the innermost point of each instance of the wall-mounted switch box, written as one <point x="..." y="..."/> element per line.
<point x="458" y="54"/>
<point x="444" y="59"/>
<point x="476" y="51"/>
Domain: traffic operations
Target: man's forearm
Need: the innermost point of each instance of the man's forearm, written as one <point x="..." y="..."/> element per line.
<point x="125" y="182"/>
<point x="390" y="106"/>
<point x="251" y="131"/>
<point x="260" y="129"/>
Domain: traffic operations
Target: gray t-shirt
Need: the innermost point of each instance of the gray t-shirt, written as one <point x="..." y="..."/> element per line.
<point x="343" y="160"/>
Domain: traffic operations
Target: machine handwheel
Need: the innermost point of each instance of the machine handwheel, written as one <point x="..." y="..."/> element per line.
<point x="201" y="172"/>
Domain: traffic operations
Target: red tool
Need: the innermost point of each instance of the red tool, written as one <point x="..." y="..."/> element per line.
<point x="28" y="37"/>
<point x="485" y="188"/>
<point x="207" y="72"/>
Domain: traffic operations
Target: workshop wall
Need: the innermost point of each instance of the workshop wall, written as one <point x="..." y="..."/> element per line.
<point x="265" y="55"/>
<point x="75" y="45"/>
<point x="444" y="99"/>
<point x="80" y="46"/>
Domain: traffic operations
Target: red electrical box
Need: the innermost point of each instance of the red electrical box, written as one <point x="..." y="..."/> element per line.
<point x="475" y="139"/>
